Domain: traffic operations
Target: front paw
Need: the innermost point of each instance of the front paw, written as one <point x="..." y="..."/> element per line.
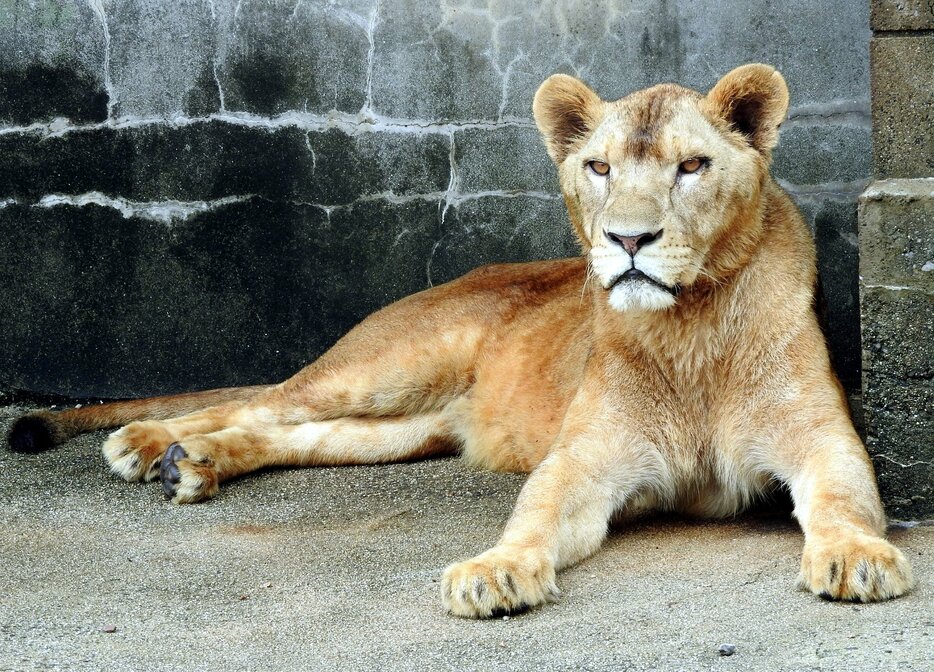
<point x="505" y="579"/>
<point x="856" y="567"/>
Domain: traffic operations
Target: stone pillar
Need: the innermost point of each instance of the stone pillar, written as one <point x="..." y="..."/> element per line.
<point x="896" y="241"/>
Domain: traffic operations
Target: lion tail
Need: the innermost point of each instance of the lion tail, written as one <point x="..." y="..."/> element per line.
<point x="41" y="430"/>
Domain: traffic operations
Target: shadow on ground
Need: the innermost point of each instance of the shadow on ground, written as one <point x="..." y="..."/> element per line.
<point x="337" y="569"/>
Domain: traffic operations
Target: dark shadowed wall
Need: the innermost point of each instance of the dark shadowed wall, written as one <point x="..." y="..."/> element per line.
<point x="202" y="193"/>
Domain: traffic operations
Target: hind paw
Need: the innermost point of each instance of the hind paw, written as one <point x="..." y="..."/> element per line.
<point x="186" y="477"/>
<point x="134" y="452"/>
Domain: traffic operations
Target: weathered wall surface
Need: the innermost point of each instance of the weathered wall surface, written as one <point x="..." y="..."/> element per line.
<point x="209" y="192"/>
<point x="896" y="237"/>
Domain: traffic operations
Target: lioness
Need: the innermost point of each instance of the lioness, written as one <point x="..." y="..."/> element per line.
<point x="678" y="365"/>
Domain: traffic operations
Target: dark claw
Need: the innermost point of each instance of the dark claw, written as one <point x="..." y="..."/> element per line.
<point x="479" y="588"/>
<point x="171" y="473"/>
<point x="509" y="584"/>
<point x="168" y="470"/>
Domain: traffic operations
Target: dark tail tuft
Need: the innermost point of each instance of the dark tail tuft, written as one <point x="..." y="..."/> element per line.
<point x="33" y="433"/>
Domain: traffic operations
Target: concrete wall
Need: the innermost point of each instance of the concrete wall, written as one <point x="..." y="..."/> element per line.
<point x="896" y="239"/>
<point x="209" y="192"/>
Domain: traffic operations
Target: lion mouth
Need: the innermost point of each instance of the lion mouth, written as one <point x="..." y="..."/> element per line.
<point x="635" y="275"/>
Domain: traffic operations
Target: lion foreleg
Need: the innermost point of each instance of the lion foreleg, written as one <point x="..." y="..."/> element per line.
<point x="836" y="501"/>
<point x="561" y="517"/>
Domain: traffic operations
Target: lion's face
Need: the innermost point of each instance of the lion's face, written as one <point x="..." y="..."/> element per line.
<point x="656" y="182"/>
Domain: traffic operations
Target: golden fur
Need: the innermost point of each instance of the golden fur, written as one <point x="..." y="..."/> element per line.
<point x="677" y="365"/>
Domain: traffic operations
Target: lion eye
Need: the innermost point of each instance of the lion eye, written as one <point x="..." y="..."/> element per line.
<point x="599" y="167"/>
<point x="692" y="165"/>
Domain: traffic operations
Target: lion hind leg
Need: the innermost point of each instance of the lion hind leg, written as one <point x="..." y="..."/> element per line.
<point x="193" y="468"/>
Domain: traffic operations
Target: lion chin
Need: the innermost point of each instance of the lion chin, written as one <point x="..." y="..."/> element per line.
<point x="641" y="294"/>
<point x="635" y="295"/>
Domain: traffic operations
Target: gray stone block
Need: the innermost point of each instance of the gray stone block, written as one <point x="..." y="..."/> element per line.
<point x="401" y="163"/>
<point x="903" y="106"/>
<point x="161" y="58"/>
<point x="95" y="304"/>
<point x="447" y="61"/>
<point x="823" y="153"/>
<point x="507" y="159"/>
<point x="491" y="230"/>
<point x="209" y="160"/>
<point x="898" y="396"/>
<point x="897" y="336"/>
<point x="198" y="57"/>
<point x="896" y="234"/>
<point x="901" y="14"/>
<point x="51" y="62"/>
<point x="305" y="55"/>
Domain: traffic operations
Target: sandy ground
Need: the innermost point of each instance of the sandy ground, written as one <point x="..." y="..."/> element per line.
<point x="337" y="569"/>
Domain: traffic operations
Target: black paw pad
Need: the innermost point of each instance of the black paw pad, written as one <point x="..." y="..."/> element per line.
<point x="31" y="434"/>
<point x="520" y="608"/>
<point x="168" y="469"/>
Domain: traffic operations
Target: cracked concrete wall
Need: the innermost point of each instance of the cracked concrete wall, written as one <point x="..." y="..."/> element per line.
<point x="209" y="192"/>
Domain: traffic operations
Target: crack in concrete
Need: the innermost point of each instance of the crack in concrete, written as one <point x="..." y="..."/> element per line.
<point x="352" y="124"/>
<point x="855" y="113"/>
<point x="220" y="90"/>
<point x="506" y="75"/>
<point x="450" y="12"/>
<point x="295" y="9"/>
<point x="845" y="191"/>
<point x="97" y="6"/>
<point x="373" y="22"/>
<point x="311" y="150"/>
<point x="165" y="212"/>
<point x="217" y="81"/>
<point x="169" y="211"/>
<point x="453" y="177"/>
<point x="898" y="288"/>
<point x="891" y="459"/>
<point x="431" y="257"/>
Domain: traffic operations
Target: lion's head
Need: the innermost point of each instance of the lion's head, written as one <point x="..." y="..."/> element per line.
<point x="662" y="186"/>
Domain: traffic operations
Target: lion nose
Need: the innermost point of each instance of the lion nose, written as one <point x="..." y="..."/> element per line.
<point x="633" y="244"/>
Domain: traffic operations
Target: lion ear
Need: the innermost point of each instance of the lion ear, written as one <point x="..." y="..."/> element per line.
<point x="566" y="111"/>
<point x="753" y="99"/>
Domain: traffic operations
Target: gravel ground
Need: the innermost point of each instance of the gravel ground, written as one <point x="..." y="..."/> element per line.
<point x="337" y="569"/>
